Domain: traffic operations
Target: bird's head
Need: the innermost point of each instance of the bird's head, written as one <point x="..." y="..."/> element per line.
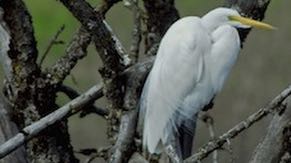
<point x="222" y="16"/>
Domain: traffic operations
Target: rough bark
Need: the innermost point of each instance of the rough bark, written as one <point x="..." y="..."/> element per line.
<point x="28" y="89"/>
<point x="161" y="15"/>
<point x="7" y="130"/>
<point x="272" y="147"/>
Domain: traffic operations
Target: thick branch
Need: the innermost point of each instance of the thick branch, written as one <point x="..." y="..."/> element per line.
<point x="28" y="89"/>
<point x="124" y="146"/>
<point x="273" y="107"/>
<point x="161" y="15"/>
<point x="135" y="77"/>
<point x="268" y="151"/>
<point x="107" y="45"/>
<point x="32" y="130"/>
<point x="23" y="52"/>
<point x="77" y="49"/>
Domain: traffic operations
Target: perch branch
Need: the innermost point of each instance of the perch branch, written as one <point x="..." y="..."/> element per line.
<point x="32" y="130"/>
<point x="273" y="106"/>
<point x="209" y="121"/>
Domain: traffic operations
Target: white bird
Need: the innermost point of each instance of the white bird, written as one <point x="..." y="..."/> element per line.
<point x="194" y="58"/>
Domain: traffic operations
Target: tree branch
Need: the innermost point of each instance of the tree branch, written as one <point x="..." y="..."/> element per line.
<point x="71" y="93"/>
<point x="108" y="46"/>
<point x="273" y="107"/>
<point x="22" y="52"/>
<point x="7" y="130"/>
<point x="137" y="31"/>
<point x="161" y="15"/>
<point x="51" y="43"/>
<point x="124" y="146"/>
<point x="28" y="89"/>
<point x="35" y="128"/>
<point x="77" y="48"/>
<point x="268" y="151"/>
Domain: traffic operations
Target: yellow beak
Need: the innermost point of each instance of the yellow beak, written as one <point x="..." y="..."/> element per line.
<point x="251" y="22"/>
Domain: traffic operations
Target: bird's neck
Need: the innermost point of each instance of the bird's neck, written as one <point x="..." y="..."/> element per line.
<point x="224" y="53"/>
<point x="210" y="23"/>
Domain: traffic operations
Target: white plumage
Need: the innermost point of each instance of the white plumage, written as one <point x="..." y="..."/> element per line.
<point x="194" y="58"/>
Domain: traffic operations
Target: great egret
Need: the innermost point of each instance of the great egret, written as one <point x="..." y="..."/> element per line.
<point x="194" y="58"/>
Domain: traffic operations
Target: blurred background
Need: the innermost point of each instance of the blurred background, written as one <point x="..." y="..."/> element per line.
<point x="262" y="71"/>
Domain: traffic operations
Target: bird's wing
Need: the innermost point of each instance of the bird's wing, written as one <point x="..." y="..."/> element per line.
<point x="178" y="69"/>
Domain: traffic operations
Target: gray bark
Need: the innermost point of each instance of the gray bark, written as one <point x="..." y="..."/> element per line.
<point x="7" y="130"/>
<point x="270" y="149"/>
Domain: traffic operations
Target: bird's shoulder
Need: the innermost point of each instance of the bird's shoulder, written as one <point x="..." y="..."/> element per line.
<point x="185" y="37"/>
<point x="187" y="26"/>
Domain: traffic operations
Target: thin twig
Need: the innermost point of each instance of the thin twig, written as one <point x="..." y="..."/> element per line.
<point x="212" y="145"/>
<point x="32" y="130"/>
<point x="51" y="43"/>
<point x="137" y="31"/>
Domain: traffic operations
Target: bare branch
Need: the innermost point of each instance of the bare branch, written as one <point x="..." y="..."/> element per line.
<point x="109" y="48"/>
<point x="273" y="106"/>
<point x="51" y="43"/>
<point x="22" y="53"/>
<point x="32" y="130"/>
<point x="137" y="31"/>
<point x="268" y="151"/>
<point x="161" y="15"/>
<point x="7" y="130"/>
<point x="28" y="88"/>
<point x="124" y="146"/>
<point x="135" y="78"/>
<point x="77" y="48"/>
<point x="4" y="48"/>
<point x="71" y="93"/>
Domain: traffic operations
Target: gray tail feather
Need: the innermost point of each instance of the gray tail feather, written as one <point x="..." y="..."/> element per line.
<point x="186" y="137"/>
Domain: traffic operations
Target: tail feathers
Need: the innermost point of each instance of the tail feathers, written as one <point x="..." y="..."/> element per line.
<point x="186" y="138"/>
